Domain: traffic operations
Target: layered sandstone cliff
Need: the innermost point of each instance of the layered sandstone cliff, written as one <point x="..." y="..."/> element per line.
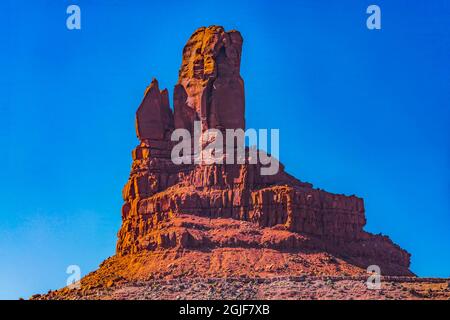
<point x="203" y="208"/>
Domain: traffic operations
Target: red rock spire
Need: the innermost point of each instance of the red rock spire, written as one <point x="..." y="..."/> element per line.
<point x="154" y="120"/>
<point x="210" y="87"/>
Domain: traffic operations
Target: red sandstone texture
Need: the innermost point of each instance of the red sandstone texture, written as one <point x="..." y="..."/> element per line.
<point x="223" y="221"/>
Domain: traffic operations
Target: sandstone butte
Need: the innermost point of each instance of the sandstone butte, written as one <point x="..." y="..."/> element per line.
<point x="224" y="221"/>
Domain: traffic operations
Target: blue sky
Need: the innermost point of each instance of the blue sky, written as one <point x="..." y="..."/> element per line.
<point x="360" y="112"/>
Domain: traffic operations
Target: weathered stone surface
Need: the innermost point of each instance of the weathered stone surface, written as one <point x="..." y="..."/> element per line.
<point x="210" y="76"/>
<point x="184" y="115"/>
<point x="154" y="119"/>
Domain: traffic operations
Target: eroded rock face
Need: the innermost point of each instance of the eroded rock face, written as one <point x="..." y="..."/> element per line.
<point x="154" y="119"/>
<point x="210" y="82"/>
<point x="280" y="211"/>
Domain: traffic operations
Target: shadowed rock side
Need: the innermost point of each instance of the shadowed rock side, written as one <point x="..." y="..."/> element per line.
<point x="210" y="89"/>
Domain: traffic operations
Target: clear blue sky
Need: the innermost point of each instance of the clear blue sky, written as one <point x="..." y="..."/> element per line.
<point x="359" y="112"/>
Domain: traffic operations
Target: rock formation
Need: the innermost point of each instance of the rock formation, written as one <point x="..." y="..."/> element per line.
<point x="210" y="87"/>
<point x="207" y="208"/>
<point x="226" y="231"/>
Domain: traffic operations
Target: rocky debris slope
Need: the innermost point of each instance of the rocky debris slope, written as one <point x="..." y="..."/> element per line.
<point x="279" y="288"/>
